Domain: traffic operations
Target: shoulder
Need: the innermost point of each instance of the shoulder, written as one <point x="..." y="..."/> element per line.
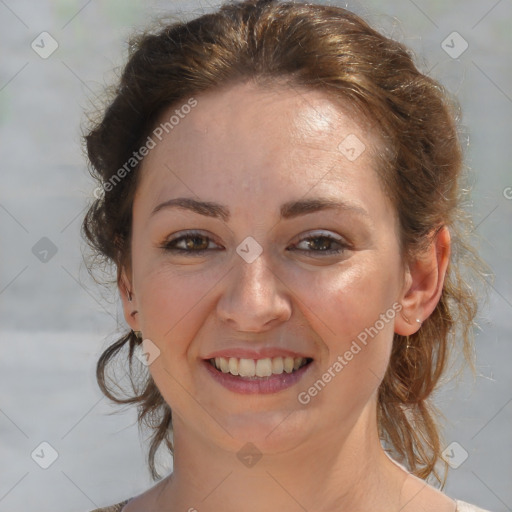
<point x="418" y="495"/>
<point x="112" y="508"/>
<point x="462" y="506"/>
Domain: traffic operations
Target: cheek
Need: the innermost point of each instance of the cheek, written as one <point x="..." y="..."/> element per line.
<point x="342" y="303"/>
<point x="174" y="308"/>
<point x="353" y="312"/>
<point x="172" y="302"/>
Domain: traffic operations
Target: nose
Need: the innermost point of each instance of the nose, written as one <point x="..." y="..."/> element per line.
<point x="254" y="299"/>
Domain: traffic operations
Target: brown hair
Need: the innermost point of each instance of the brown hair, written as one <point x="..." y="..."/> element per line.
<point x="420" y="163"/>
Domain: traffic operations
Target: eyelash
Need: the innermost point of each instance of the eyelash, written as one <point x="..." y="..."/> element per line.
<point x="170" y="245"/>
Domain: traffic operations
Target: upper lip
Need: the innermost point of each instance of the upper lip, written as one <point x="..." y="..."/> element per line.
<point x="245" y="353"/>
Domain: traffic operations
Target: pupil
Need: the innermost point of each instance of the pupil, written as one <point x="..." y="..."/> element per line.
<point x="195" y="240"/>
<point x="322" y="245"/>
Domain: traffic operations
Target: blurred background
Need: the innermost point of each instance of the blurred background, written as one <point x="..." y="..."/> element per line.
<point x="62" y="448"/>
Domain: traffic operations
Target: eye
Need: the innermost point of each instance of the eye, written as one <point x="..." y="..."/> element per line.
<point x="191" y="243"/>
<point x="321" y="244"/>
<point x="194" y="243"/>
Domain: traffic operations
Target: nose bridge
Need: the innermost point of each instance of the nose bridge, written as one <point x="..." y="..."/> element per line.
<point x="254" y="281"/>
<point x="253" y="297"/>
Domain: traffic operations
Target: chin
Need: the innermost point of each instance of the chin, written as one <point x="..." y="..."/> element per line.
<point x="271" y="432"/>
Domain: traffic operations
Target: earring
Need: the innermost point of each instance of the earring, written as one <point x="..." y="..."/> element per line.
<point x="409" y="322"/>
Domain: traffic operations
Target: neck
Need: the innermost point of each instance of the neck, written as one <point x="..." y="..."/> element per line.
<point x="342" y="471"/>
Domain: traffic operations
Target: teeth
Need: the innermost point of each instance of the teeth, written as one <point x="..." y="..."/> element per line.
<point x="258" y="368"/>
<point x="277" y="365"/>
<point x="246" y="368"/>
<point x="264" y="367"/>
<point x="223" y="364"/>
<point x="233" y="366"/>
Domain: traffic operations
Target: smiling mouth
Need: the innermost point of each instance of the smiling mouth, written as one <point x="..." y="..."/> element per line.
<point x="259" y="368"/>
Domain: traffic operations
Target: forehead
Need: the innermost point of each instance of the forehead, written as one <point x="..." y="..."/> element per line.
<point x="259" y="139"/>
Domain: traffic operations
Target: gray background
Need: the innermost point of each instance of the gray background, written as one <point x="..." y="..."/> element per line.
<point x="54" y="322"/>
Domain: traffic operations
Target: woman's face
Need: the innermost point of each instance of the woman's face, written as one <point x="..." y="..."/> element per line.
<point x="280" y="244"/>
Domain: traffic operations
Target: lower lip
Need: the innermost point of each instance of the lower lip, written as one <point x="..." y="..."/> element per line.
<point x="253" y="385"/>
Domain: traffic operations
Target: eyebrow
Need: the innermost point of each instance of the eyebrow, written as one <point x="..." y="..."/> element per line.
<point x="289" y="210"/>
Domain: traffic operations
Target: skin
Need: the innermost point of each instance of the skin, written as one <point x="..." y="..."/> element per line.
<point x="252" y="149"/>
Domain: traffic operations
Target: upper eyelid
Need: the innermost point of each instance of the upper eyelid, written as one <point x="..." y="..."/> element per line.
<point x="188" y="232"/>
<point x="341" y="241"/>
<point x="319" y="232"/>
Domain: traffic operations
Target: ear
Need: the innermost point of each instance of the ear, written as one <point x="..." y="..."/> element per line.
<point x="124" y="285"/>
<point x="423" y="284"/>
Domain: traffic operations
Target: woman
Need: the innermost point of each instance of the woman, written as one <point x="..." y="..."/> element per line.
<point x="280" y="195"/>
